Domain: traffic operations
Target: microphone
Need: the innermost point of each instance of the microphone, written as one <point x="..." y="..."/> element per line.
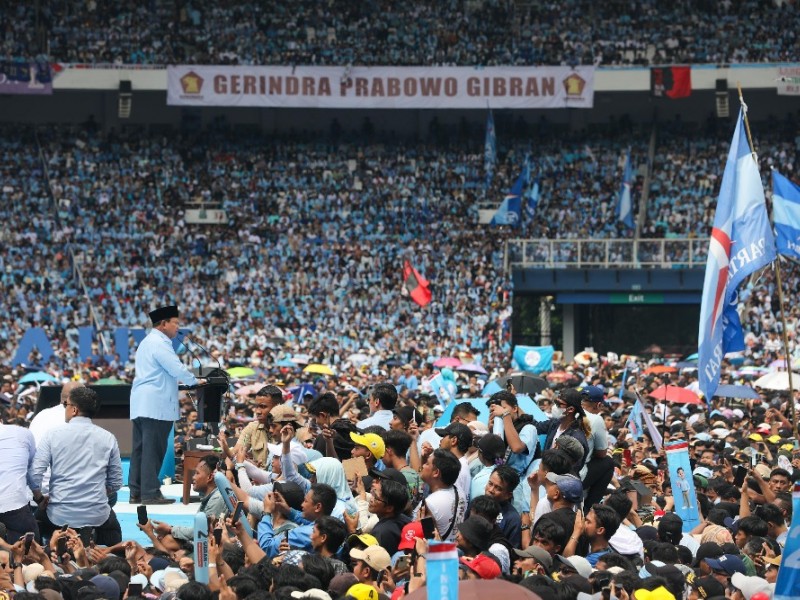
<point x="189" y="338"/>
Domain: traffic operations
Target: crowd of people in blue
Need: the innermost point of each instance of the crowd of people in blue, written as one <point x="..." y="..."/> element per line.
<point x="450" y="32"/>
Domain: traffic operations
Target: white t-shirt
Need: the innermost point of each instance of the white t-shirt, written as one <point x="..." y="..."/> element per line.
<point x="464" y="481"/>
<point x="441" y="504"/>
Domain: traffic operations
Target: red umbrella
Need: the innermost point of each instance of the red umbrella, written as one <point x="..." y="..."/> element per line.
<point x="673" y="393"/>
<point x="658" y="369"/>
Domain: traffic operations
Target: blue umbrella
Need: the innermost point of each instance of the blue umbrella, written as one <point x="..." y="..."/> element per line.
<point x="736" y="391"/>
<point x="38" y="377"/>
<point x="298" y="391"/>
<point x="285" y="363"/>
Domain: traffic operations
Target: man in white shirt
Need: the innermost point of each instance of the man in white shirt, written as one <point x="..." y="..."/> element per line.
<point x="457" y="438"/>
<point x="382" y="401"/>
<point x="444" y="503"/>
<point x="48" y="419"/>
<point x="598" y="468"/>
<point x="17" y="449"/>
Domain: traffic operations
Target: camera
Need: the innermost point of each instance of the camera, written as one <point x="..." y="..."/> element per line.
<point x="490" y="402"/>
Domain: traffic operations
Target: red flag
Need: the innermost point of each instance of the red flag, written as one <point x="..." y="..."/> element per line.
<point x="671" y="82"/>
<point x="416" y="284"/>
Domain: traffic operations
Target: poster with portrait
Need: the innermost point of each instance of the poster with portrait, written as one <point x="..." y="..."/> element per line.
<point x="683" y="490"/>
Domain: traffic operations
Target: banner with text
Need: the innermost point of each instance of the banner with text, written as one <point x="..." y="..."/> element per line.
<point x="18" y="77"/>
<point x="788" y="81"/>
<point x="381" y="87"/>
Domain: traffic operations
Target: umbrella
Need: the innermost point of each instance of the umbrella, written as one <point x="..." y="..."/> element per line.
<point x="393" y="362"/>
<point x="357" y="359"/>
<point x="525" y="403"/>
<point x="109" y="381"/>
<point x="585" y="358"/>
<point x="736" y="391"/>
<point x="559" y="376"/>
<point x="523" y="383"/>
<point x="38" y="377"/>
<point x="658" y="369"/>
<point x="285" y="362"/>
<point x="778" y="364"/>
<point x="247" y="390"/>
<point x="299" y="391"/>
<point x="472" y="368"/>
<point x="777" y="380"/>
<point x="694" y="357"/>
<point x="318" y="369"/>
<point x="447" y="361"/>
<point x="673" y="393"/>
<point x="241" y="372"/>
<point x="301" y="359"/>
<point x="653" y="349"/>
<point x="480" y="589"/>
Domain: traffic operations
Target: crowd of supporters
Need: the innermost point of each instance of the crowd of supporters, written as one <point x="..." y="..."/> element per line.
<point x="451" y="32"/>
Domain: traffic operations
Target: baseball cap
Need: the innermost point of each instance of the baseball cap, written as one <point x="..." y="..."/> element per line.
<point x="492" y="447"/>
<point x="283" y="414"/>
<point x="764" y="428"/>
<point x="372" y="441"/>
<point x="569" y="485"/>
<point x="579" y="563"/>
<point x="593" y="393"/>
<point x="477" y="531"/>
<point x="365" y="538"/>
<point x="362" y="591"/>
<point x="409" y="535"/>
<point x="538" y="554"/>
<point x="459" y="430"/>
<point x="312" y="594"/>
<point x="730" y="563"/>
<point x="571" y="446"/>
<point x="660" y="593"/>
<point x="749" y="586"/>
<point x="756" y="437"/>
<point x="707" y="587"/>
<point x="375" y="556"/>
<point x="389" y="475"/>
<point x="484" y="566"/>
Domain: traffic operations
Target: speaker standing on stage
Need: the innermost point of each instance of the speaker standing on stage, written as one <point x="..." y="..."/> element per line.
<point x="154" y="404"/>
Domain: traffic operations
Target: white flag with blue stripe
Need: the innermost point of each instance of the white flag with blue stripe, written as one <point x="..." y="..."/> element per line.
<point x="786" y="215"/>
<point x="625" y="203"/>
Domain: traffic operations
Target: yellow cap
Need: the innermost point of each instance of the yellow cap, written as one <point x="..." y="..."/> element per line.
<point x="756" y="437"/>
<point x="362" y="591"/>
<point x="372" y="441"/>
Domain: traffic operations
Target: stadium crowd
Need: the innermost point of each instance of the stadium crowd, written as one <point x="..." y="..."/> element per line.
<point x="487" y="32"/>
<point x="523" y="497"/>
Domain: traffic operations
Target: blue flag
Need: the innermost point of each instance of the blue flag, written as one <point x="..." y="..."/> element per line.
<point x="625" y="203"/>
<point x="489" y="149"/>
<point x="533" y="358"/>
<point x="788" y="585"/>
<point x="510" y="211"/>
<point x="786" y="215"/>
<point x="635" y="422"/>
<point x="741" y="243"/>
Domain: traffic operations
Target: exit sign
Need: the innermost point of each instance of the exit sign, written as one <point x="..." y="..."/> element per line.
<point x="636" y="298"/>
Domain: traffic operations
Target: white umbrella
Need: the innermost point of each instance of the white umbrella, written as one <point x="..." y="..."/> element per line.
<point x="358" y="359"/>
<point x="777" y="380"/>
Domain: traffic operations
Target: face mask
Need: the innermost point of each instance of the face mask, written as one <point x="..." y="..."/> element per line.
<point x="556" y="412"/>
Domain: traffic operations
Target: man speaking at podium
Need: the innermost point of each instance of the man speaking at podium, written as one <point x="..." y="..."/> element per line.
<point x="154" y="404"/>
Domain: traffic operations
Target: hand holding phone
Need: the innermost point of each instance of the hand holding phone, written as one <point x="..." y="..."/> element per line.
<point x="134" y="590"/>
<point x="141" y="512"/>
<point x="428" y="527"/>
<point x="28" y="542"/>
<point x="238" y="512"/>
<point x="741" y="473"/>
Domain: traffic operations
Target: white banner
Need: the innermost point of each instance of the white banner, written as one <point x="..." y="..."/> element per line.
<point x="382" y="87"/>
<point x="788" y="81"/>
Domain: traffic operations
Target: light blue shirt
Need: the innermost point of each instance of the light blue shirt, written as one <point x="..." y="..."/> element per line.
<point x="17" y="449"/>
<point x="479" y="481"/>
<point x="154" y="393"/>
<point x="381" y="417"/>
<point x="84" y="468"/>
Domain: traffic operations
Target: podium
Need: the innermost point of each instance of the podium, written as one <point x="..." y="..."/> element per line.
<point x="209" y="395"/>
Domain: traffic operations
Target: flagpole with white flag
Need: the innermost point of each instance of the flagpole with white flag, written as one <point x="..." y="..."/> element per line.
<point x="742" y="242"/>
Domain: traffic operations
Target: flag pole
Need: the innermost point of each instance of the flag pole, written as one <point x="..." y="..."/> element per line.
<point x="778" y="280"/>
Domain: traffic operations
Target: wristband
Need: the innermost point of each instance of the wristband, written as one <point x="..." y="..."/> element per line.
<point x="505" y="414"/>
<point x="238" y="466"/>
<point x="212" y="565"/>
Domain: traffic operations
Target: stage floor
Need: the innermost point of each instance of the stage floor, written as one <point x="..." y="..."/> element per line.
<point x="174" y="514"/>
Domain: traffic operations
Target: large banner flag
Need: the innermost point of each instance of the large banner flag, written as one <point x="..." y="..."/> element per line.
<point x="786" y="215"/>
<point x="22" y="77"/>
<point x="625" y="202"/>
<point x="489" y="149"/>
<point x="510" y="211"/>
<point x="416" y="285"/>
<point x="532" y="199"/>
<point x="788" y="585"/>
<point x="680" y="475"/>
<point x="741" y="243"/>
<point x="533" y="358"/>
<point x="382" y="87"/>
<point x="671" y="82"/>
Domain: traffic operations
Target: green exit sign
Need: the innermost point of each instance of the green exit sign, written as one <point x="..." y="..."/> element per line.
<point x="636" y="298"/>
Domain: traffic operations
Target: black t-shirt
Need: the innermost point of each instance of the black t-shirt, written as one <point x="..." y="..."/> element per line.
<point x="564" y="517"/>
<point x="389" y="531"/>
